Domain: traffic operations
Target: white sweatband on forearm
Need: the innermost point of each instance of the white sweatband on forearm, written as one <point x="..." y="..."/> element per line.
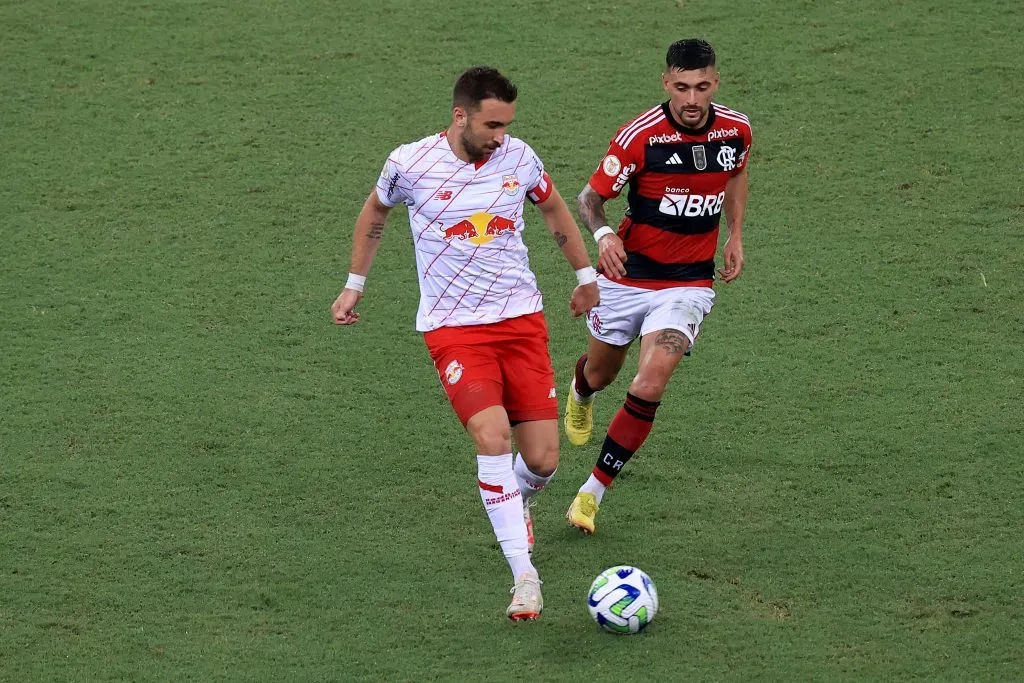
<point x="356" y="282"/>
<point x="586" y="275"/>
<point x="602" y="231"/>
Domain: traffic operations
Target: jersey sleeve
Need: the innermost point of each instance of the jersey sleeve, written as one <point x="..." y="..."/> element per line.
<point x="618" y="166"/>
<point x="392" y="188"/>
<point x="748" y="139"/>
<point x="538" y="182"/>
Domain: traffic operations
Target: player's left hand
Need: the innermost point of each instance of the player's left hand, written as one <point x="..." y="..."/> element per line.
<point x="733" y="257"/>
<point x="584" y="297"/>
<point x="343" y="309"/>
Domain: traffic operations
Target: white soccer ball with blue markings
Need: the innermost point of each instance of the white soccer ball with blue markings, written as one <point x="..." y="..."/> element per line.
<point x="623" y="600"/>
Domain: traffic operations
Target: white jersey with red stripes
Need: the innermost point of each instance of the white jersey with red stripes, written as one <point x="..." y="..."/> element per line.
<point x="467" y="224"/>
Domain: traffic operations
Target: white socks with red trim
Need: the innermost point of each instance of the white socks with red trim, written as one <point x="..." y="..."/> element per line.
<point x="530" y="484"/>
<point x="504" y="505"/>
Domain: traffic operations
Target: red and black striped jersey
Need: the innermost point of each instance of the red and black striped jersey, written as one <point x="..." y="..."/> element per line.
<point x="676" y="178"/>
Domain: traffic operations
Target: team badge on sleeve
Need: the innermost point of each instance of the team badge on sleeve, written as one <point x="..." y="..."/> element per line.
<point x="611" y="165"/>
<point x="510" y="183"/>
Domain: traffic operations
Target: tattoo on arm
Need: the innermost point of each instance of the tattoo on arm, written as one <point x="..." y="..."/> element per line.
<point x="376" y="231"/>
<point x="560" y="239"/>
<point x="591" y="208"/>
<point x="672" y="341"/>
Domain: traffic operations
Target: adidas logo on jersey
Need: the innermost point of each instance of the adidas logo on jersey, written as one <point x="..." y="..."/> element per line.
<point x="723" y="133"/>
<point x="674" y="160"/>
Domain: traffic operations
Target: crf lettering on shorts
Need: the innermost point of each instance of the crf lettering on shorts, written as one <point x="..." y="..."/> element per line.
<point x="692" y="205"/>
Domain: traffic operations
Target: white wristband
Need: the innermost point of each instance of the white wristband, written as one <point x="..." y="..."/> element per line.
<point x="602" y="231"/>
<point x="356" y="282"/>
<point x="586" y="275"/>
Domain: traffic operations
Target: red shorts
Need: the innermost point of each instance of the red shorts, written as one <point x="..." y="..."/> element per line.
<point x="499" y="364"/>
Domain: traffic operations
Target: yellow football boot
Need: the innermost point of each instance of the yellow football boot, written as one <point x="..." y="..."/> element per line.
<point x="582" y="512"/>
<point x="579" y="419"/>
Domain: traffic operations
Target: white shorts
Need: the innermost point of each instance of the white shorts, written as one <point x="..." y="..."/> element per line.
<point x="627" y="312"/>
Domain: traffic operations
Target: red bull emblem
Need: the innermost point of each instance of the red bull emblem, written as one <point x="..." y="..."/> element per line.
<point x="480" y="228"/>
<point x="510" y="183"/>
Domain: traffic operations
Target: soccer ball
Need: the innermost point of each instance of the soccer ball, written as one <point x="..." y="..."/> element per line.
<point x="623" y="600"/>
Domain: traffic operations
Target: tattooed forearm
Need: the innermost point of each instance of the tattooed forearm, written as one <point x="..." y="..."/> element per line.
<point x="560" y="239"/>
<point x="672" y="341"/>
<point x="591" y="207"/>
<point x="376" y="231"/>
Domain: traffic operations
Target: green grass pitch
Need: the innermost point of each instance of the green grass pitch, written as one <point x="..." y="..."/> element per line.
<point x="202" y="479"/>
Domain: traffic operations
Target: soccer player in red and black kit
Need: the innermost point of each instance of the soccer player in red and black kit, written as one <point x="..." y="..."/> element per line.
<point x="684" y="162"/>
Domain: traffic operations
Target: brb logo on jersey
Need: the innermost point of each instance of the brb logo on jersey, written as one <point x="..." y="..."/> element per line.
<point x="692" y="205"/>
<point x="480" y="228"/>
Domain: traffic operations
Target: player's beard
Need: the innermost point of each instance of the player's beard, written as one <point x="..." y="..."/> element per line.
<point x="681" y="115"/>
<point x="475" y="151"/>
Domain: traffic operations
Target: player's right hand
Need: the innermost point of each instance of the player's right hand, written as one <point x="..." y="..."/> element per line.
<point x="612" y="257"/>
<point x="342" y="310"/>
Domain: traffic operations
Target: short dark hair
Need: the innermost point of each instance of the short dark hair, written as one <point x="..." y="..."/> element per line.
<point x="689" y="54"/>
<point x="480" y="83"/>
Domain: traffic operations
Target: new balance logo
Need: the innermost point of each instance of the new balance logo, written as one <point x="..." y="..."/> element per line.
<point x="674" y="160"/>
<point x="443" y="195"/>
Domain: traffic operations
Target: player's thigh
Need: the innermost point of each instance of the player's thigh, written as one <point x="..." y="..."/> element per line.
<point x="679" y="308"/>
<point x="668" y="334"/>
<point x="538" y="442"/>
<point x="617" y="320"/>
<point x="490" y="430"/>
<point x="471" y="377"/>
<point x="660" y="353"/>
<point x="605" y="360"/>
<point x="529" y="378"/>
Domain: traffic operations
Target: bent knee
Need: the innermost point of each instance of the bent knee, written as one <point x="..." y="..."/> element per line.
<point x="542" y="462"/>
<point x="491" y="438"/>
<point x="648" y="388"/>
<point x="599" y="378"/>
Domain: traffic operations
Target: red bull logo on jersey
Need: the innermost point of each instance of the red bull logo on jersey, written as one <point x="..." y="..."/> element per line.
<point x="480" y="228"/>
<point x="510" y="183"/>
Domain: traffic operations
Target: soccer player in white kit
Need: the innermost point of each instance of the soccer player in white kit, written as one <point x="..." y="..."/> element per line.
<point x="480" y="310"/>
